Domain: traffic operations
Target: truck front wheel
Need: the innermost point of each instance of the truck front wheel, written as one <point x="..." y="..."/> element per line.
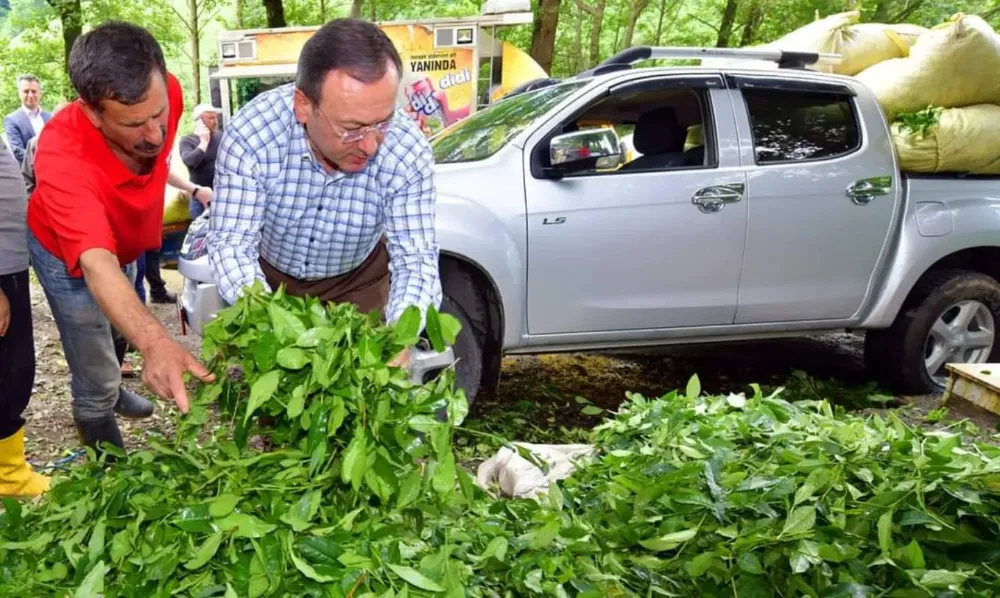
<point x="951" y="317"/>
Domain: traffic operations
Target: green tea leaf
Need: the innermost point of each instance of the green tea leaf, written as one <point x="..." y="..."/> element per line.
<point x="669" y="541"/>
<point x="93" y="583"/>
<point x="433" y="329"/>
<point x="800" y="520"/>
<point x="407" y="328"/>
<point x="262" y="391"/>
<point x="205" y="552"/>
<point x="297" y="403"/>
<point x="885" y="532"/>
<point x="314" y="337"/>
<point x="450" y="327"/>
<point x="693" y="387"/>
<point x="292" y="358"/>
<point x="287" y="326"/>
<point x="222" y="506"/>
<point x="748" y="562"/>
<point x="415" y="578"/>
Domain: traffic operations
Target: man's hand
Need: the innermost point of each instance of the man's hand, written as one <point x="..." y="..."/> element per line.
<point x="4" y="314"/>
<point x="165" y="360"/>
<point x="205" y="196"/>
<point x="164" y="364"/>
<point x="402" y="360"/>
<point x="204" y="134"/>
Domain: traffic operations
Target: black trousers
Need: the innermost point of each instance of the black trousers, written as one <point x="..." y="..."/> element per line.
<point x="157" y="288"/>
<point x="17" y="354"/>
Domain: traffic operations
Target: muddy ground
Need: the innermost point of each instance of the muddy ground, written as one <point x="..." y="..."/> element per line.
<point x="543" y="397"/>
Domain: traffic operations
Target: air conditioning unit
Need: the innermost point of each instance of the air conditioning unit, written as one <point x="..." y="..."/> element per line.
<point x="455" y="36"/>
<point x="238" y="50"/>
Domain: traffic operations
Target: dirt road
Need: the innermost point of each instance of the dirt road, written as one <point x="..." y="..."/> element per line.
<point x="540" y="397"/>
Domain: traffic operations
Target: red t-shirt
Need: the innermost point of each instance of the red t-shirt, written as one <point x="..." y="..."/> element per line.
<point x="86" y="198"/>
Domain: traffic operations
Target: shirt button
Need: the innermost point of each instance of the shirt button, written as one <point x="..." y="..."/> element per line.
<point x="319" y="208"/>
<point x="311" y="239"/>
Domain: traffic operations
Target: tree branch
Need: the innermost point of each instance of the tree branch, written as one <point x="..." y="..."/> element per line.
<point x="590" y="10"/>
<point x="183" y="19"/>
<point x="706" y="23"/>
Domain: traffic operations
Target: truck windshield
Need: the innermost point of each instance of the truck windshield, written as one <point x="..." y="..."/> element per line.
<point x="483" y="134"/>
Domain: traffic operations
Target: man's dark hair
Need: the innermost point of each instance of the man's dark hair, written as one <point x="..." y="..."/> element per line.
<point x="115" y="61"/>
<point x="355" y="46"/>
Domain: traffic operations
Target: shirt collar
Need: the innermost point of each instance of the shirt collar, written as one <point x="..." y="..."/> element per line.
<point x="35" y="112"/>
<point x="302" y="150"/>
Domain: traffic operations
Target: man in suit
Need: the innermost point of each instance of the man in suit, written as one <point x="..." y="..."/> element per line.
<point x="27" y="121"/>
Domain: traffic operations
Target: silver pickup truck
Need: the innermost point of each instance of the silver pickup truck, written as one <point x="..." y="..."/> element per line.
<point x="749" y="204"/>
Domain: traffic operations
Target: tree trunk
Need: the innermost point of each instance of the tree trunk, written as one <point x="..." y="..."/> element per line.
<point x="71" y="18"/>
<point x="543" y="37"/>
<point x="239" y="14"/>
<point x="635" y="11"/>
<point x="322" y="11"/>
<point x="372" y="5"/>
<point x="726" y="26"/>
<point x="597" y="14"/>
<point x="578" y="42"/>
<point x="195" y="30"/>
<point x="659" y="21"/>
<point x="356" y="6"/>
<point x="754" y="17"/>
<point x="275" y="14"/>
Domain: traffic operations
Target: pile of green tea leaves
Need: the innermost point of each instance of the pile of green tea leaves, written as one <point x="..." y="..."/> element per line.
<point x="357" y="493"/>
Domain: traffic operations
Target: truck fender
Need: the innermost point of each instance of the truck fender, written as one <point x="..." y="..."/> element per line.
<point x="470" y="233"/>
<point x="930" y="241"/>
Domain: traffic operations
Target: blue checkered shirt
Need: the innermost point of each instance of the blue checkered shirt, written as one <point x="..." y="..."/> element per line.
<point x="274" y="200"/>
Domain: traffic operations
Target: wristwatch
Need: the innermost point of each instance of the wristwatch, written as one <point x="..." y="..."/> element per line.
<point x="194" y="194"/>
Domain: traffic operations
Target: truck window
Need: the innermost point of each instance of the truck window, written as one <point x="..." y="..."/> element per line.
<point x="481" y="135"/>
<point x="795" y="126"/>
<point x="660" y="129"/>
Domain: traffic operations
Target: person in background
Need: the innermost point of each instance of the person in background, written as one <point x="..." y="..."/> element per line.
<point x="17" y="340"/>
<point x="323" y="186"/>
<point x="98" y="205"/>
<point x="28" y="165"/>
<point x="198" y="151"/>
<point x="27" y="121"/>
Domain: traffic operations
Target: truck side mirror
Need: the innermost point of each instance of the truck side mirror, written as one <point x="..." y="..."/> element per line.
<point x="584" y="150"/>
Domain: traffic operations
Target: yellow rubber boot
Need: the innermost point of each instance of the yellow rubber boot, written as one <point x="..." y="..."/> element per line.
<point x="16" y="477"/>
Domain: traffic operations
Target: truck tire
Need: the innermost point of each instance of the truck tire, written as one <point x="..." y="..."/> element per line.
<point x="951" y="317"/>
<point x="469" y="352"/>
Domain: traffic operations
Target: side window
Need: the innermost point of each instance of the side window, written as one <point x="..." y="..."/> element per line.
<point x="660" y="129"/>
<point x="793" y="126"/>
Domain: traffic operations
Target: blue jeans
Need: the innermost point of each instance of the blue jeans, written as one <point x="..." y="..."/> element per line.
<point x="140" y="277"/>
<point x="88" y="340"/>
<point x="195" y="208"/>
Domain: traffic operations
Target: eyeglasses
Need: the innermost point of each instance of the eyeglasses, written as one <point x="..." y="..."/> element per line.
<point x="355" y="135"/>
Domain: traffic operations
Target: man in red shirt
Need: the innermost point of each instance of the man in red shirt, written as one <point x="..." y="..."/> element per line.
<point x="100" y="170"/>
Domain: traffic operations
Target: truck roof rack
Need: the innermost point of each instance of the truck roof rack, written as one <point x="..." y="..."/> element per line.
<point x="785" y="59"/>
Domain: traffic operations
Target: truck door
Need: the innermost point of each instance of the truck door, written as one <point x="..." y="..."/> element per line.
<point x="822" y="198"/>
<point x="656" y="243"/>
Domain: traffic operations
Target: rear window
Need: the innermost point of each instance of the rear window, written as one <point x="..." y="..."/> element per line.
<point x="795" y="126"/>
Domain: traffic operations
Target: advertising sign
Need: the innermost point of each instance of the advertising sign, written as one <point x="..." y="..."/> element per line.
<point x="438" y="85"/>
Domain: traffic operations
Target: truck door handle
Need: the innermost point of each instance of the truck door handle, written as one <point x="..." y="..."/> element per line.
<point x="864" y="191"/>
<point x="711" y="199"/>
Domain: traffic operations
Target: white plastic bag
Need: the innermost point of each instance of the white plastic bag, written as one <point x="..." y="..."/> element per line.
<point x="519" y="478"/>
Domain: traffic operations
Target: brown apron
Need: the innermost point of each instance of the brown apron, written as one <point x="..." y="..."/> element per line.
<point x="367" y="286"/>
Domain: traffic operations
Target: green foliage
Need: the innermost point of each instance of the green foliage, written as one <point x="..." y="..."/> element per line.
<point x="361" y="494"/>
<point x="919" y="123"/>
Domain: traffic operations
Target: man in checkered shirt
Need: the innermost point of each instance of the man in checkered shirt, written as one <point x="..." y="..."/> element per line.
<point x="325" y="187"/>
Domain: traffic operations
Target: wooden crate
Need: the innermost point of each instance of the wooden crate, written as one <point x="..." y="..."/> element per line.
<point x="978" y="383"/>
